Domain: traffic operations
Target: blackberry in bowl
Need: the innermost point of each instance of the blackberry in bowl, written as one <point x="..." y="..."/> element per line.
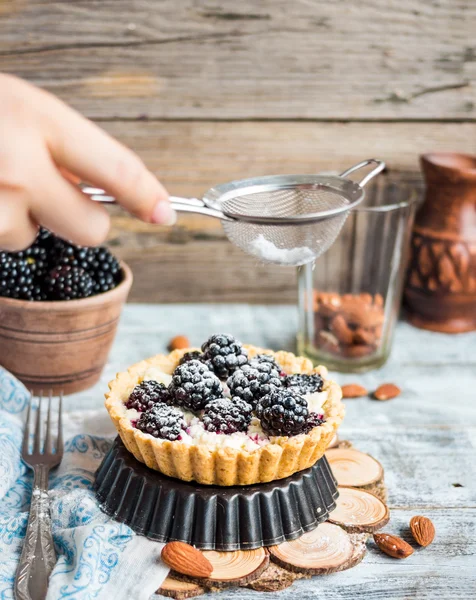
<point x="59" y="328"/>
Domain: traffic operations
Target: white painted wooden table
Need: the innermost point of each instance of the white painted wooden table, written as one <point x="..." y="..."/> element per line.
<point x="425" y="439"/>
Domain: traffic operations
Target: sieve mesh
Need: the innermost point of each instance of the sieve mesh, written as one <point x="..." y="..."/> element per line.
<point x="292" y="243"/>
<point x="282" y="219"/>
<point x="281" y="203"/>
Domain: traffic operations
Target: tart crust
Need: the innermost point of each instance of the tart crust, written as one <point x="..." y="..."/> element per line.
<point x="278" y="459"/>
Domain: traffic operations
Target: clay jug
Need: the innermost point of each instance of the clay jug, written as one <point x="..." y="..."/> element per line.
<point x="440" y="292"/>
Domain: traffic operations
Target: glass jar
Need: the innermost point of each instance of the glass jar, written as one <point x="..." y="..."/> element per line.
<point x="350" y="297"/>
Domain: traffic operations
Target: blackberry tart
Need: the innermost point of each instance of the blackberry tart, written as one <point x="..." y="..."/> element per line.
<point x="257" y="417"/>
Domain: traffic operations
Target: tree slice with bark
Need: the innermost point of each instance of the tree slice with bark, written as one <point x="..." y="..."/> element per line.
<point x="180" y="590"/>
<point x="231" y="568"/>
<point x="353" y="468"/>
<point x="359" y="511"/>
<point x="326" y="549"/>
<point x="274" y="579"/>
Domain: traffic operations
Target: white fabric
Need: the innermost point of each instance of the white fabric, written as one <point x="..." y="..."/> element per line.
<point x="97" y="557"/>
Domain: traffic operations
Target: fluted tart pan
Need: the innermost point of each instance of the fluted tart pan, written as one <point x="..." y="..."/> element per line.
<point x="213" y="517"/>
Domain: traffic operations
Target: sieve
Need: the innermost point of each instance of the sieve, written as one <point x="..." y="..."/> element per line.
<point x="282" y="219"/>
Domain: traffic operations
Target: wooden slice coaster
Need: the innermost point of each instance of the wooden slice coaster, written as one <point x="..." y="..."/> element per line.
<point x="231" y="568"/>
<point x="173" y="588"/>
<point x="360" y="548"/>
<point x="353" y="468"/>
<point x="359" y="511"/>
<point x="274" y="579"/>
<point x="326" y="549"/>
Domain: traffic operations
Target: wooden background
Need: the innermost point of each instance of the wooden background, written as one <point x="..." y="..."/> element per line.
<point x="207" y="91"/>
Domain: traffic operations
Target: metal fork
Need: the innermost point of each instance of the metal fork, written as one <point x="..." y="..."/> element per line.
<point x="38" y="555"/>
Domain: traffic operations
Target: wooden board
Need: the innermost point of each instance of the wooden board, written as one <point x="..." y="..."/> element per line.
<point x="195" y="260"/>
<point x="272" y="59"/>
<point x="190" y="157"/>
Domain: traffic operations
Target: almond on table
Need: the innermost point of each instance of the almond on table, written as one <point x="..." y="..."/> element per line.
<point x="387" y="391"/>
<point x="354" y="390"/>
<point x="423" y="530"/>
<point x="179" y="342"/>
<point x="393" y="545"/>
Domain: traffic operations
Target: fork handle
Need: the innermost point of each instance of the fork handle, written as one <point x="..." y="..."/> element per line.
<point x="38" y="556"/>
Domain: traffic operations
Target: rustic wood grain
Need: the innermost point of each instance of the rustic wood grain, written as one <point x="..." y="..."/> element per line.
<point x="316" y="60"/>
<point x="194" y="260"/>
<point x="191" y="157"/>
<point x="205" y="271"/>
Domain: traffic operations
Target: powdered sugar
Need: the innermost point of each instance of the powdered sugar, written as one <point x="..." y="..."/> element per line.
<point x="249" y="440"/>
<point x="195" y="433"/>
<point x="266" y="250"/>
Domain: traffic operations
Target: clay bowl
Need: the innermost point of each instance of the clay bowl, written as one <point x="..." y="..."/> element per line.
<point x="62" y="346"/>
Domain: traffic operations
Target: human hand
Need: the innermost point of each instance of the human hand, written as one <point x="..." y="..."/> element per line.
<point x="45" y="148"/>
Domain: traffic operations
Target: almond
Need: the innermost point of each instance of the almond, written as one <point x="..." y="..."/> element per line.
<point x="179" y="342"/>
<point x="341" y="330"/>
<point x="186" y="559"/>
<point x="387" y="391"/>
<point x="393" y="545"/>
<point x="363" y="336"/>
<point x="422" y="530"/>
<point x="353" y="390"/>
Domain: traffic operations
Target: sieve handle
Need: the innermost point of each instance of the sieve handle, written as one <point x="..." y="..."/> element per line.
<point x="190" y="205"/>
<point x="375" y="171"/>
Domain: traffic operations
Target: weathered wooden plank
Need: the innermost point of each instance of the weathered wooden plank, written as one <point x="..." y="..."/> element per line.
<point x="205" y="271"/>
<point x="421" y="462"/>
<point x="405" y="60"/>
<point x="428" y="572"/>
<point x="191" y="157"/>
<point x="454" y="541"/>
<point x="399" y="580"/>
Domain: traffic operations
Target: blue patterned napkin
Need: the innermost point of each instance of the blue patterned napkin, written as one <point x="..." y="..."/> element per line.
<point x="97" y="557"/>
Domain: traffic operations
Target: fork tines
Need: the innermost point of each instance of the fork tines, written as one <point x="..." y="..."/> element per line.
<point x="49" y="448"/>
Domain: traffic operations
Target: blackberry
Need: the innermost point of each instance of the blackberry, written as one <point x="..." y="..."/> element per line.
<point x="22" y="272"/>
<point x="188" y="356"/>
<point x="252" y="382"/>
<point x="227" y="416"/>
<point x="304" y="384"/>
<point x="225" y="354"/>
<point x="194" y="385"/>
<point x="283" y="412"/>
<point x="45" y="239"/>
<point x="68" y="283"/>
<point x="162" y="421"/>
<point x="99" y="263"/>
<point x="313" y="420"/>
<point x="146" y="394"/>
<point x="266" y="358"/>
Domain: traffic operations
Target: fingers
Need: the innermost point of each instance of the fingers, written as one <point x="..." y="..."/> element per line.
<point x="84" y="149"/>
<point x="59" y="206"/>
<point x="17" y="230"/>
